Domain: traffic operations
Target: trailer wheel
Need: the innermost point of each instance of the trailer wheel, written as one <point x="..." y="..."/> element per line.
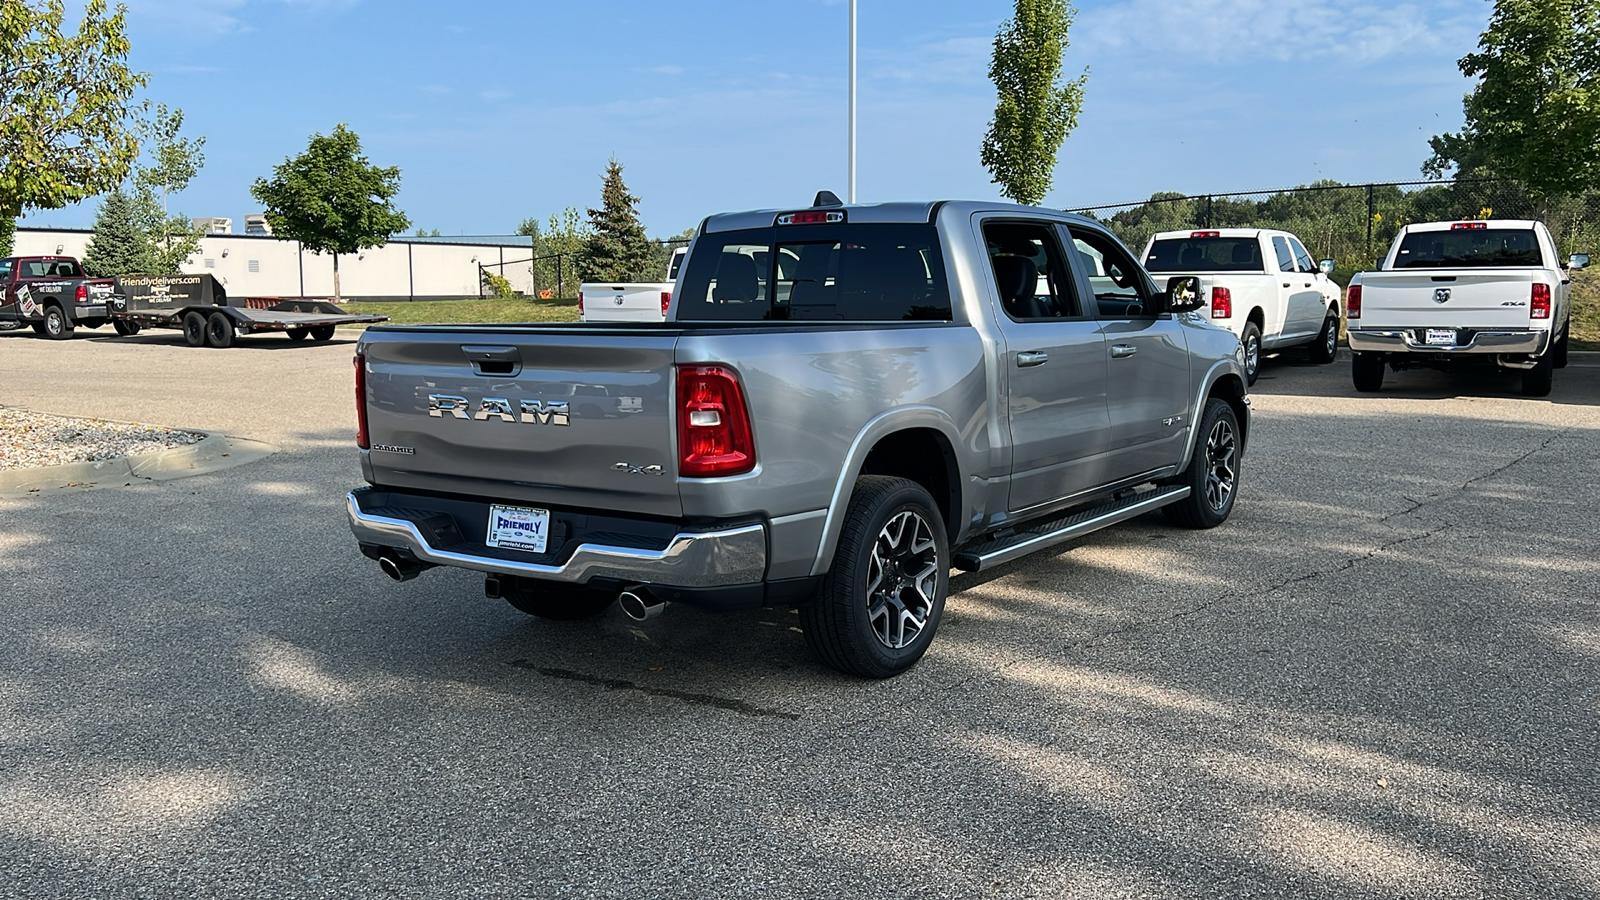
<point x="194" y="329"/>
<point x="322" y="333"/>
<point x="219" y="331"/>
<point x="57" y="326"/>
<point x="125" y="328"/>
<point x="296" y="334"/>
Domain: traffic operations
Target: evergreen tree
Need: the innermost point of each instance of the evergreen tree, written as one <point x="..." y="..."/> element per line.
<point x="119" y="246"/>
<point x="617" y="248"/>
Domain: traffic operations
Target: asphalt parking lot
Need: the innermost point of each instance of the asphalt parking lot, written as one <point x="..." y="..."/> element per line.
<point x="1379" y="679"/>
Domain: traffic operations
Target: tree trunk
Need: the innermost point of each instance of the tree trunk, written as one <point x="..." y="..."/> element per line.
<point x="336" y="278"/>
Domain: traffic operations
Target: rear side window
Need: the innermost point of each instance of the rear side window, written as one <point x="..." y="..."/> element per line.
<point x="50" y="268"/>
<point x="834" y="272"/>
<point x="1280" y="247"/>
<point x="1217" y="254"/>
<point x="1465" y="249"/>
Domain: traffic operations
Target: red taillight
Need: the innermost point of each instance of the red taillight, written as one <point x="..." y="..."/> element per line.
<point x="1221" y="303"/>
<point x="83" y="293"/>
<point x="713" y="425"/>
<point x="1352" y="302"/>
<point x="1205" y="234"/>
<point x="361" y="402"/>
<point x="666" y="300"/>
<point x="580" y="304"/>
<point x="1539" y="305"/>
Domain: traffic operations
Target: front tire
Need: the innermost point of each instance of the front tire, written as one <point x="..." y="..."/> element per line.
<point x="1366" y="370"/>
<point x="1213" y="473"/>
<point x="194" y="329"/>
<point x="57" y="327"/>
<point x="219" y="331"/>
<point x="884" y="597"/>
<point x="557" y="602"/>
<point x="1326" y="346"/>
<point x="1251" y="339"/>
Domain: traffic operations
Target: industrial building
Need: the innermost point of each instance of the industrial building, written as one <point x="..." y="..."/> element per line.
<point x="260" y="265"/>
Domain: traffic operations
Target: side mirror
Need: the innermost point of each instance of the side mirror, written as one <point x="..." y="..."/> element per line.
<point x="1183" y="293"/>
<point x="1577" y="260"/>
<point x="1326" y="267"/>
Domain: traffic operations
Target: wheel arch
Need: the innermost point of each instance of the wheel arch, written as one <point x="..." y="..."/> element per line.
<point x="1226" y="383"/>
<point x="918" y="443"/>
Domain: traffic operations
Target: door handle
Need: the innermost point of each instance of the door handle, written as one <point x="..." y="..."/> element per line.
<point x="1123" y="351"/>
<point x="1308" y="284"/>
<point x="1028" y="358"/>
<point x="1286" y="284"/>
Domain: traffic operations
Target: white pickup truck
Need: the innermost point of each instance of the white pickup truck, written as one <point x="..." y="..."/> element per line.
<point x="1453" y="293"/>
<point x="1259" y="284"/>
<point x="635" y="301"/>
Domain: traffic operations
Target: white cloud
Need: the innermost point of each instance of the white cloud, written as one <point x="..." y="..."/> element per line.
<point x="1213" y="33"/>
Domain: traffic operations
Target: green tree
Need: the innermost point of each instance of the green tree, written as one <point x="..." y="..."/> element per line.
<point x="1534" y="115"/>
<point x="172" y="161"/>
<point x="616" y="248"/>
<point x="331" y="199"/>
<point x="64" y="105"/>
<point x="119" y="246"/>
<point x="1036" y="109"/>
<point x="555" y="249"/>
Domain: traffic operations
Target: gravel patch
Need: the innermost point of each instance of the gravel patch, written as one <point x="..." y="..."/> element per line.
<point x="31" y="439"/>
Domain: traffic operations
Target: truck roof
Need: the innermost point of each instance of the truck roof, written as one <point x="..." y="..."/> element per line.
<point x="1487" y="223"/>
<point x="1215" y="232"/>
<point x="899" y="212"/>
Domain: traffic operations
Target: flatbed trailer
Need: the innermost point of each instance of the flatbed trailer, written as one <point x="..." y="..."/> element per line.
<point x="200" y="307"/>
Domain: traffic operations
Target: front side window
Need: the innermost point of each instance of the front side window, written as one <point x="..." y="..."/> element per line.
<point x="1118" y="285"/>
<point x="1302" y="259"/>
<point x="5" y="270"/>
<point x="837" y="272"/>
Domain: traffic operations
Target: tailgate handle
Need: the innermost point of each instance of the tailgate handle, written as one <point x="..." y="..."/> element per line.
<point x="493" y="360"/>
<point x="1444" y="278"/>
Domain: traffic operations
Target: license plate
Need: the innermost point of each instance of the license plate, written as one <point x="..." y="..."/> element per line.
<point x="518" y="528"/>
<point x="1441" y="337"/>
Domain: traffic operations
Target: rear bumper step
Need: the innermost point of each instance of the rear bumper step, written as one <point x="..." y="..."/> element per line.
<point x="977" y="557"/>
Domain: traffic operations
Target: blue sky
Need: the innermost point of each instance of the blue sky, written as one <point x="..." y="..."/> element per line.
<point x="497" y="110"/>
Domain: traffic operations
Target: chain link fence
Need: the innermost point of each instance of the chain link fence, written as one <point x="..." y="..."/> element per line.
<point x="554" y="276"/>
<point x="1354" y="224"/>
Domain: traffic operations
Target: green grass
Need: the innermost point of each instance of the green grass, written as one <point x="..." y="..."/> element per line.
<point x="470" y="312"/>
<point x="1585" y="310"/>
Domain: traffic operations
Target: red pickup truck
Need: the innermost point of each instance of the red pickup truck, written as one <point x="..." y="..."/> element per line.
<point x="51" y="294"/>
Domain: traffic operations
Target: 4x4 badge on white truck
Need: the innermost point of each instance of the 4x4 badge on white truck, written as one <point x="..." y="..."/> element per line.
<point x="1440" y="295"/>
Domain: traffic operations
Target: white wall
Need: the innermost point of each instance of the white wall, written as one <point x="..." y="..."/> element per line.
<point x="401" y="269"/>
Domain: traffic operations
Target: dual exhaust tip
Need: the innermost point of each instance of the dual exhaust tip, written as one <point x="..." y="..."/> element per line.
<point x="637" y="602"/>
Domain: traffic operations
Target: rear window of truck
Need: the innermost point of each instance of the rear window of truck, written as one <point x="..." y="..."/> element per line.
<point x="838" y="272"/>
<point x="1211" y="254"/>
<point x="1468" y="249"/>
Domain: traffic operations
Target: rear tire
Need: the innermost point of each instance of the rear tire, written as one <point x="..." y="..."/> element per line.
<point x="296" y="334"/>
<point x="1366" y="370"/>
<point x="1251" y="339"/>
<point x="1536" y="381"/>
<point x="1326" y="346"/>
<point x="194" y="329"/>
<point x="1213" y="473"/>
<point x="124" y="328"/>
<point x="884" y="596"/>
<point x="322" y="333"/>
<point x="557" y="602"/>
<point x="57" y="327"/>
<point x="219" y="331"/>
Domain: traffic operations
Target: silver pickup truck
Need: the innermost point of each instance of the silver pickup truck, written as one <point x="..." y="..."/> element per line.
<point x="845" y="403"/>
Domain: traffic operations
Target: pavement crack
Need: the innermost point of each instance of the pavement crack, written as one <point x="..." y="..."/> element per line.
<point x="622" y="684"/>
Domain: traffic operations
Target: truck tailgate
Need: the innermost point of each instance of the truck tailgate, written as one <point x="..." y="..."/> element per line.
<point x="1477" y="298"/>
<point x="565" y="417"/>
<point x="633" y="302"/>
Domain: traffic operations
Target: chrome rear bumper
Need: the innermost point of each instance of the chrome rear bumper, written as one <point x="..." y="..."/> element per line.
<point x="732" y="556"/>
<point x="1404" y="340"/>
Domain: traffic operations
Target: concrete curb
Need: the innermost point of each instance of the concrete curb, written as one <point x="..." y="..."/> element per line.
<point x="213" y="453"/>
